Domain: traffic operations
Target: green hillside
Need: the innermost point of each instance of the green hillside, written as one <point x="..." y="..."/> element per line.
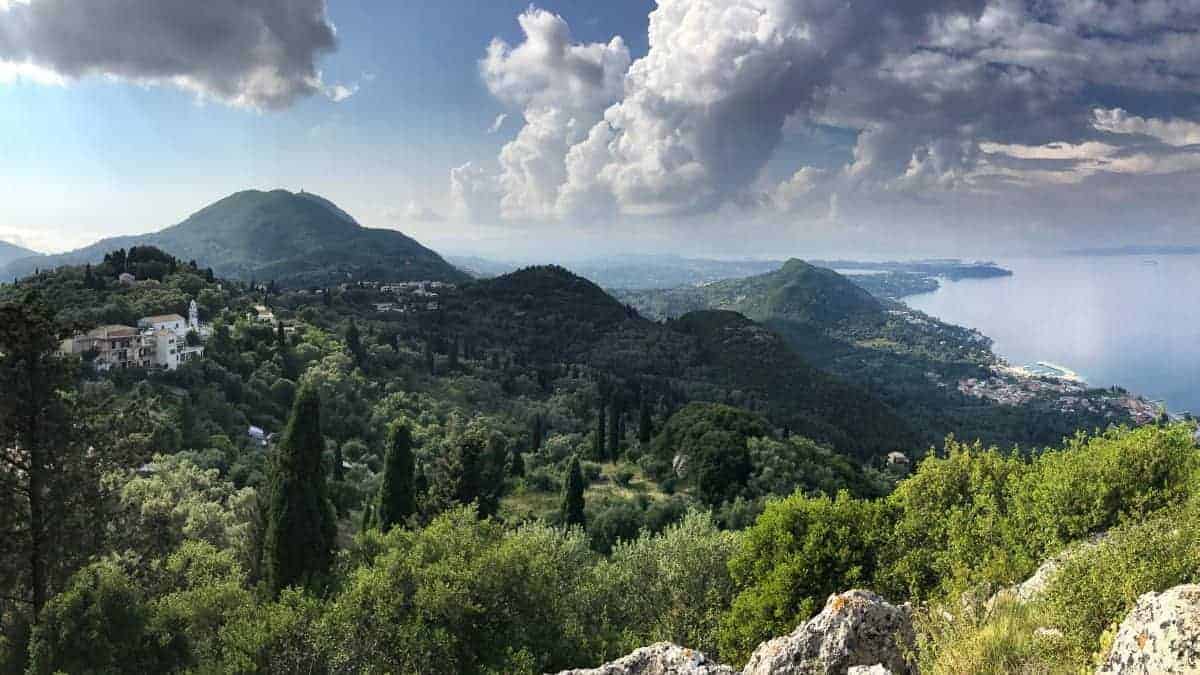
<point x="549" y="316"/>
<point x="910" y="361"/>
<point x="295" y="239"/>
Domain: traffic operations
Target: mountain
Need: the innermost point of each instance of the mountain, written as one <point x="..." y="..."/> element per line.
<point x="10" y="252"/>
<point x="910" y="361"/>
<point x="550" y="318"/>
<point x="296" y="239"/>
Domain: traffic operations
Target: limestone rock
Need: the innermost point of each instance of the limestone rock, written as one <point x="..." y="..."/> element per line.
<point x="663" y="658"/>
<point x="1160" y="635"/>
<point x="1033" y="587"/>
<point x="856" y="628"/>
<point x="876" y="669"/>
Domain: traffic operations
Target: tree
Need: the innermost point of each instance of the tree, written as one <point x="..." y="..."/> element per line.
<point x="614" y="431"/>
<point x="452" y="360"/>
<point x="300" y="521"/>
<point x="46" y="479"/>
<point x="355" y="345"/>
<point x="572" y="504"/>
<point x="599" y="436"/>
<point x="516" y="465"/>
<point x="536" y="434"/>
<point x="397" y="496"/>
<point x="645" y="425"/>
<point x="430" y="359"/>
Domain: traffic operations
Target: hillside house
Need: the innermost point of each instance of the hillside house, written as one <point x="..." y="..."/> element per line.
<point x="157" y="342"/>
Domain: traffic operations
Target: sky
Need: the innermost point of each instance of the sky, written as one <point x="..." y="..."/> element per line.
<point x="719" y="128"/>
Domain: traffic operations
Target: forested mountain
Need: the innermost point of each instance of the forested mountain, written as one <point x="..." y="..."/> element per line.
<point x="10" y="252"/>
<point x="294" y="239"/>
<point x="550" y="316"/>
<point x="909" y="360"/>
<point x="518" y="475"/>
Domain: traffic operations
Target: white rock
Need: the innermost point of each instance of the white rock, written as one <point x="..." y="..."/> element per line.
<point x="663" y="658"/>
<point x="876" y="669"/>
<point x="1160" y="635"/>
<point x="856" y="628"/>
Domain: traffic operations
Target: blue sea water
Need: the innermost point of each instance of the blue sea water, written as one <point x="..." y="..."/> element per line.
<point x="1133" y="321"/>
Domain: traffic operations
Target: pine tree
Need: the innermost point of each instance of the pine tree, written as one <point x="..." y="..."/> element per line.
<point x="572" y="504"/>
<point x="598" y="439"/>
<point x="645" y="424"/>
<point x="397" y="496"/>
<point x="46" y="470"/>
<point x="301" y="527"/>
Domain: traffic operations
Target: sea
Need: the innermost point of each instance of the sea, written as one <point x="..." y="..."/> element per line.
<point x="1132" y="321"/>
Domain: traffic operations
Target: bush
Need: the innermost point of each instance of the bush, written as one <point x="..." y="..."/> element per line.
<point x="623" y="476"/>
<point x="1005" y="640"/>
<point x="591" y="471"/>
<point x="1096" y="588"/>
<point x="98" y="624"/>
<point x="673" y="586"/>
<point x="801" y="550"/>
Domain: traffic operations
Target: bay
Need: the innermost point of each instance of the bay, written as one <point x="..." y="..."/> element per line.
<point x="1132" y="321"/>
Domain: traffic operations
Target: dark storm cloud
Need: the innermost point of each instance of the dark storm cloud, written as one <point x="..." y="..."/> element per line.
<point x="254" y="53"/>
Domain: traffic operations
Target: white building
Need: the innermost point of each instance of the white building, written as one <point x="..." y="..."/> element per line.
<point x="157" y="342"/>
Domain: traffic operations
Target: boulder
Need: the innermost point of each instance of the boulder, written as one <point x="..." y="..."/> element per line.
<point x="663" y="658"/>
<point x="856" y="628"/>
<point x="1033" y="587"/>
<point x="1160" y="635"/>
<point x="876" y="669"/>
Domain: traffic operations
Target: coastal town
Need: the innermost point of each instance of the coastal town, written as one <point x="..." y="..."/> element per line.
<point x="1061" y="388"/>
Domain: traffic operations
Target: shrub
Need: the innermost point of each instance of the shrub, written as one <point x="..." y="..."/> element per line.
<point x="799" y="551"/>
<point x="1005" y="640"/>
<point x="1095" y="589"/>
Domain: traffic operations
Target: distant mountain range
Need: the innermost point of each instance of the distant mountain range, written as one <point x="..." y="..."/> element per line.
<point x="295" y="239"/>
<point x="10" y="252"/>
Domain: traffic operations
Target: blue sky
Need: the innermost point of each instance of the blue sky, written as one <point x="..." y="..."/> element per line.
<point x="726" y="127"/>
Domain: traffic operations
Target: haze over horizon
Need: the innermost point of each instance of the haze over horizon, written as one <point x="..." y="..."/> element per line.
<point x="709" y="128"/>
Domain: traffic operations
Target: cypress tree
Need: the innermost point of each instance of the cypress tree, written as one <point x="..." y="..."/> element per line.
<point x="645" y="424"/>
<point x="572" y="504"/>
<point x="516" y="465"/>
<point x="397" y="497"/>
<point x="535" y="444"/>
<point x="598" y="437"/>
<point x="614" y="431"/>
<point x="355" y="345"/>
<point x="301" y="528"/>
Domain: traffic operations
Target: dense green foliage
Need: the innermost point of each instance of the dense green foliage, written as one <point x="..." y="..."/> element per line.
<point x="301" y="526"/>
<point x="737" y="487"/>
<point x="397" y="493"/>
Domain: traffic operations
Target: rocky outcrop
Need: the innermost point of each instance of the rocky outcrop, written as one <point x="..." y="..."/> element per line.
<point x="858" y="633"/>
<point x="1160" y="635"/>
<point x="663" y="658"/>
<point x="856" y="628"/>
<point x="1033" y="587"/>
